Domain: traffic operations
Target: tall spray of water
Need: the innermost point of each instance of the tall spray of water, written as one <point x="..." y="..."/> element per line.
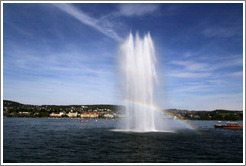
<point x="140" y="77"/>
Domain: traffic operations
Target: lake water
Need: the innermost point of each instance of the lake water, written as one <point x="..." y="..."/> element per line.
<point x="41" y="140"/>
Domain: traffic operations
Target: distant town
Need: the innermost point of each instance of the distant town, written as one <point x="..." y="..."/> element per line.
<point x="15" y="109"/>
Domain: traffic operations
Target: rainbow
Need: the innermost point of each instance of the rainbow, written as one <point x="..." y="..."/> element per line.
<point x="179" y="121"/>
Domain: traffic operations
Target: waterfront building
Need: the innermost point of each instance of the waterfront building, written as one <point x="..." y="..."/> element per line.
<point x="72" y="114"/>
<point x="89" y="115"/>
<point x="108" y="116"/>
<point x="57" y="115"/>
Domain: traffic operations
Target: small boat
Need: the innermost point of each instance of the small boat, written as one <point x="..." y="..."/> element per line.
<point x="229" y="125"/>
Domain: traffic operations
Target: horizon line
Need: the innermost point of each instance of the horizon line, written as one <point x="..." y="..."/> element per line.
<point x="118" y="105"/>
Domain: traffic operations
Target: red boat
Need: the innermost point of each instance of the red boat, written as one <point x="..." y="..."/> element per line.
<point x="229" y="125"/>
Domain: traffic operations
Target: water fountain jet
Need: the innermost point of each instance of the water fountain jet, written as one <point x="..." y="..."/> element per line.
<point x="138" y="69"/>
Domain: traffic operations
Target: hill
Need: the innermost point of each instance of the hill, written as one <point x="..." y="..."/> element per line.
<point x="9" y="103"/>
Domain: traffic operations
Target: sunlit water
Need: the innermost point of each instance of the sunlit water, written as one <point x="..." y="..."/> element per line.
<point x="41" y="140"/>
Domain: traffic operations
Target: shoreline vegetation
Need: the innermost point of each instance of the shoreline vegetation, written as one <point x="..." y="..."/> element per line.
<point x="18" y="110"/>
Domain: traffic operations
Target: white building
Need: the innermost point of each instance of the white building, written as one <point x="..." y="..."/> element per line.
<point x="108" y="116"/>
<point x="26" y="113"/>
<point x="72" y="114"/>
<point x="57" y="115"/>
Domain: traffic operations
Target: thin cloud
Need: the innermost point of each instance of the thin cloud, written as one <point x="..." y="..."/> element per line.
<point x="185" y="74"/>
<point x="235" y="62"/>
<point x="220" y="32"/>
<point x="86" y="19"/>
<point x="194" y="69"/>
<point x="191" y="65"/>
<point x="239" y="73"/>
<point x="193" y="88"/>
<point x="67" y="63"/>
<point x="190" y="69"/>
<point x="137" y="9"/>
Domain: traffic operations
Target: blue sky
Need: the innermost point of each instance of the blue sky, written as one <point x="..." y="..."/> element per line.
<point x="67" y="53"/>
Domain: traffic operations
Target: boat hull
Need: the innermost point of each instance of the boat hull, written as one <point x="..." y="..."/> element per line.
<point x="228" y="127"/>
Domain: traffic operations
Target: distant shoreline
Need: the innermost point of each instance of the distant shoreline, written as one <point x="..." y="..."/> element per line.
<point x="18" y="110"/>
<point x="112" y="119"/>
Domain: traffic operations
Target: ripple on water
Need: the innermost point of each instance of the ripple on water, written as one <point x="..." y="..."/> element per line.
<point x="67" y="140"/>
